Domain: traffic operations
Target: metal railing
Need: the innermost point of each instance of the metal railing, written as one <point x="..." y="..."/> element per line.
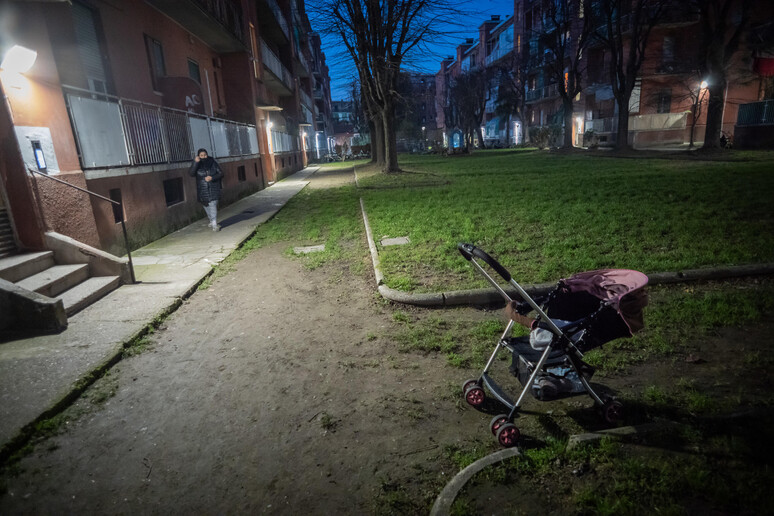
<point x="281" y="21"/>
<point x="756" y="113"/>
<point x="113" y="131"/>
<point x="305" y="98"/>
<point x="111" y="201"/>
<point x="283" y="142"/>
<point x="273" y="63"/>
<point x="498" y="53"/>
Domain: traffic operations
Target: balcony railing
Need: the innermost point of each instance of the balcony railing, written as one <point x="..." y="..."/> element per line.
<point x="273" y="63"/>
<point x="756" y="113"/>
<point x="305" y="98"/>
<point x="283" y="23"/>
<point x="498" y="53"/>
<point x="220" y="26"/>
<point x="283" y="142"/>
<point x="117" y="132"/>
<point x="543" y="92"/>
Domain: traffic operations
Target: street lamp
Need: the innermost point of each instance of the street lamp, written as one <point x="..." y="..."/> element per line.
<point x="18" y="59"/>
<point x="424" y="138"/>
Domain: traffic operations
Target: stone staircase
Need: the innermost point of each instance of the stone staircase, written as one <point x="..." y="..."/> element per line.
<point x="7" y="243"/>
<point x="72" y="283"/>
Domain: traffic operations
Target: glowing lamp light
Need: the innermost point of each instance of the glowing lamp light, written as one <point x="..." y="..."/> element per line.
<point x="704" y="84"/>
<point x="269" y="125"/>
<point x="18" y="59"/>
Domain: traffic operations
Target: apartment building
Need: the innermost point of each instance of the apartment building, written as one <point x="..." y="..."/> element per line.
<point x="120" y="96"/>
<point x="668" y="104"/>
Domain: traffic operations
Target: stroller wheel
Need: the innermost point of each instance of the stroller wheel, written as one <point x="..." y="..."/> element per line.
<point x="475" y="396"/>
<point x="468" y="384"/>
<point x="497" y="422"/>
<point x="612" y="411"/>
<point x="508" y="435"/>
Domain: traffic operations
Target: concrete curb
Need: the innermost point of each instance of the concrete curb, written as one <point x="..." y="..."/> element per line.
<point x="486" y="296"/>
<point x="445" y="499"/>
<point x="443" y="503"/>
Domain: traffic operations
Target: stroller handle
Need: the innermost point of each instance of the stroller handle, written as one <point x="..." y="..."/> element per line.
<point x="469" y="251"/>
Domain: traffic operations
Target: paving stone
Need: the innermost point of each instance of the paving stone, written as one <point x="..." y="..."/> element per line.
<point x="309" y="249"/>
<point x="395" y="241"/>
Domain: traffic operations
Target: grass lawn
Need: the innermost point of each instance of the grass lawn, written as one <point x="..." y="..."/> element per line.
<point x="548" y="215"/>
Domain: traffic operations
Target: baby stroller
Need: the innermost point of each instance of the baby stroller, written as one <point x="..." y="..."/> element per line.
<point x="581" y="313"/>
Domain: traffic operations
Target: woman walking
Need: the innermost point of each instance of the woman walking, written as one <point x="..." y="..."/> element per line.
<point x="208" y="175"/>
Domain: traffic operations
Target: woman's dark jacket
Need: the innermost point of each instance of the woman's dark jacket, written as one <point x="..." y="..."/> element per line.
<point x="206" y="191"/>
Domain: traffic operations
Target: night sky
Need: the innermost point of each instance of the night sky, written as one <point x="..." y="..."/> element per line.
<point x="427" y="59"/>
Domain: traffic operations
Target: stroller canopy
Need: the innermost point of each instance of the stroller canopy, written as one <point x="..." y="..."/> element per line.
<point x="621" y="288"/>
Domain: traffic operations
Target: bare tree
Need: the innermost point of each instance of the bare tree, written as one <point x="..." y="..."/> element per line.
<point x="468" y="95"/>
<point x="378" y="35"/>
<point x="690" y="86"/>
<point x="511" y="94"/>
<point x="565" y="33"/>
<point x="624" y="28"/>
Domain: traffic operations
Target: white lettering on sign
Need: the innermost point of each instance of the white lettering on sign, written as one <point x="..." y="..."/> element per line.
<point x="192" y="101"/>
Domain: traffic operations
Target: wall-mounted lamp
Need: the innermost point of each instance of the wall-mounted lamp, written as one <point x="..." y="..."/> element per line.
<point x="18" y="59"/>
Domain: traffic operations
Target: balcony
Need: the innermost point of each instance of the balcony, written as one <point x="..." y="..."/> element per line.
<point x="274" y="25"/>
<point x="305" y="99"/>
<point x="756" y="113"/>
<point x="543" y="92"/>
<point x="498" y="54"/>
<point x="216" y="22"/>
<point x="118" y="132"/>
<point x="279" y="79"/>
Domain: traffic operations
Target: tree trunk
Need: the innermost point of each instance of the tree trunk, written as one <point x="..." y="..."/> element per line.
<point x="508" y="131"/>
<point x="390" y="140"/>
<point x="377" y="140"/>
<point x="567" y="101"/>
<point x="715" y="106"/>
<point x="480" y="135"/>
<point x="622" y="135"/>
<point x="372" y="132"/>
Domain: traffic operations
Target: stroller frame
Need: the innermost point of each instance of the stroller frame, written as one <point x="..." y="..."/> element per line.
<point x="502" y="425"/>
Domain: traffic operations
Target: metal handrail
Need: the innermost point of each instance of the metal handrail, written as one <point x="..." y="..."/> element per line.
<point x="123" y="226"/>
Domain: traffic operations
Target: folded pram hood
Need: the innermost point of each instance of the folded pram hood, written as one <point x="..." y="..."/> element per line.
<point x="622" y="288"/>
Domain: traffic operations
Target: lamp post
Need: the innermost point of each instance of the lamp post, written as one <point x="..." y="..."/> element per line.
<point x="424" y="138"/>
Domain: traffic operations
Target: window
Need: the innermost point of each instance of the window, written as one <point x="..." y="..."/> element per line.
<point x="664" y="103"/>
<point x="155" y="60"/>
<point x="634" y="99"/>
<point x="668" y="50"/>
<point x="193" y="71"/>
<point x="173" y="191"/>
<point x="241" y="174"/>
<point x="118" y="211"/>
<point x="90" y="49"/>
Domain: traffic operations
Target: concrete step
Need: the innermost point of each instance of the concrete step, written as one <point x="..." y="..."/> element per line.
<point x="84" y="294"/>
<point x="17" y="267"/>
<point x="56" y="279"/>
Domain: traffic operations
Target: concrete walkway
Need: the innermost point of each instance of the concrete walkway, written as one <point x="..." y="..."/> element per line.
<point x="40" y="375"/>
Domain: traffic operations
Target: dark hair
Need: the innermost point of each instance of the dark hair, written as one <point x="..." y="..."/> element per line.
<point x="202" y="150"/>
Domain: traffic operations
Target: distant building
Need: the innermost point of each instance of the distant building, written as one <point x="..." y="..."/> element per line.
<point x="667" y="94"/>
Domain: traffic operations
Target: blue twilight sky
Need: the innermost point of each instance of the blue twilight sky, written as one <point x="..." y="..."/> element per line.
<point x="342" y="71"/>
